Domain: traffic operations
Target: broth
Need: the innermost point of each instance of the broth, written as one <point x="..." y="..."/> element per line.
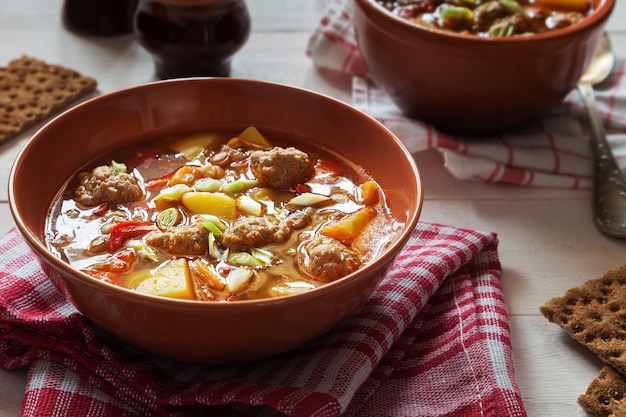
<point x="220" y="216"/>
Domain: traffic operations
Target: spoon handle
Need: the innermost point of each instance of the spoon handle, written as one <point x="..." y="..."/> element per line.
<point x="610" y="187"/>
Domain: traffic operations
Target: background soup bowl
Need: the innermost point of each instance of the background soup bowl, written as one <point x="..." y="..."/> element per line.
<point x="193" y="330"/>
<point x="469" y="84"/>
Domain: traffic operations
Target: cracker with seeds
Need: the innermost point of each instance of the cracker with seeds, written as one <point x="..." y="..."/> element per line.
<point x="594" y="314"/>
<point x="31" y="90"/>
<point x="606" y="395"/>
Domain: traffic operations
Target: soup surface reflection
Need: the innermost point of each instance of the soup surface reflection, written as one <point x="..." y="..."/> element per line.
<point x="217" y="216"/>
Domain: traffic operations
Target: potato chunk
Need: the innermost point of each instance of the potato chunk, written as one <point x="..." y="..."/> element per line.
<point x="217" y="204"/>
<point x="169" y="280"/>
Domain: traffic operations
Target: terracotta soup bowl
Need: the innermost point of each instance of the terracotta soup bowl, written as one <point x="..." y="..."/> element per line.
<point x="203" y="330"/>
<point x="470" y="84"/>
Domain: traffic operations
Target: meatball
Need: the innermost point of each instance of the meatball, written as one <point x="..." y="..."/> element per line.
<point x="298" y="220"/>
<point x="181" y="240"/>
<point x="327" y="259"/>
<point x="488" y="14"/>
<point x="519" y="23"/>
<point x="251" y="232"/>
<point x="281" y="167"/>
<point x="103" y="186"/>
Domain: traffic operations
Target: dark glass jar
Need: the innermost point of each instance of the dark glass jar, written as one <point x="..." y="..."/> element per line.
<point x="99" y="17"/>
<point x="190" y="38"/>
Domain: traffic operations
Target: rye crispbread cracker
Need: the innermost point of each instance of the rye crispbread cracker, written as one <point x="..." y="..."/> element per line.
<point x="594" y="314"/>
<point x="31" y="90"/>
<point x="606" y="395"/>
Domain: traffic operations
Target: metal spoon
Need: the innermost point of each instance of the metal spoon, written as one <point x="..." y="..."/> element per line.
<point x="610" y="186"/>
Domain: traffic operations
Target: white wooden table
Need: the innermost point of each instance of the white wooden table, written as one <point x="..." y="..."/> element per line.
<point x="548" y="240"/>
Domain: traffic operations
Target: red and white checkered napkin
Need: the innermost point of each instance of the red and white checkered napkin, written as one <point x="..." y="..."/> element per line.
<point x="554" y="152"/>
<point x="432" y="340"/>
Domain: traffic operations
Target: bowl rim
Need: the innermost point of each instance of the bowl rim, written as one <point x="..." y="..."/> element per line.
<point x="60" y="266"/>
<point x="597" y="17"/>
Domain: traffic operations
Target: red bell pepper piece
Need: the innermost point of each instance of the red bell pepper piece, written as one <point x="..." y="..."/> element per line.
<point x="101" y="209"/>
<point x="157" y="183"/>
<point x="302" y="188"/>
<point x="123" y="231"/>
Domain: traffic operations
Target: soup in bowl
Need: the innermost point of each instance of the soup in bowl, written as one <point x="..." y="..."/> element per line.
<point x="215" y="220"/>
<point x="491" y="18"/>
<point x="221" y="216"/>
<point x="443" y="66"/>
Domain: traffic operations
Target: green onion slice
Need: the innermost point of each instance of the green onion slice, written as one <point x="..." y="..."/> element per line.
<point x="214" y="251"/>
<point x="207" y="184"/>
<point x="238" y="186"/>
<point x="264" y="256"/>
<point x="168" y="218"/>
<point x="218" y="225"/>
<point x="118" y="167"/>
<point x="211" y="227"/>
<point x="457" y="14"/>
<point x="143" y="250"/>
<point x="501" y="29"/>
<point x="512" y="6"/>
<point x="244" y="259"/>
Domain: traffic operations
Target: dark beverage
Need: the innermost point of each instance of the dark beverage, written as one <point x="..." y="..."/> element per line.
<point x="99" y="17"/>
<point x="192" y="38"/>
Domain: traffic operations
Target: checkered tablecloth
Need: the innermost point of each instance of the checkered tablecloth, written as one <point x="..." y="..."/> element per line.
<point x="555" y="151"/>
<point x="432" y="340"/>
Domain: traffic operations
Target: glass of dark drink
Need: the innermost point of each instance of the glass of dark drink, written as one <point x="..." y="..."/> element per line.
<point x="189" y="38"/>
<point x="99" y="17"/>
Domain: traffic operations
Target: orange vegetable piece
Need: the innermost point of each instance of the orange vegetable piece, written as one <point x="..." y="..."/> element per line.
<point x="578" y="5"/>
<point x="350" y="227"/>
<point x="188" y="174"/>
<point x="185" y="175"/>
<point x="106" y="276"/>
<point x="118" y="262"/>
<point x="200" y="270"/>
<point x="236" y="143"/>
<point x="369" y="192"/>
<point x="156" y="183"/>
